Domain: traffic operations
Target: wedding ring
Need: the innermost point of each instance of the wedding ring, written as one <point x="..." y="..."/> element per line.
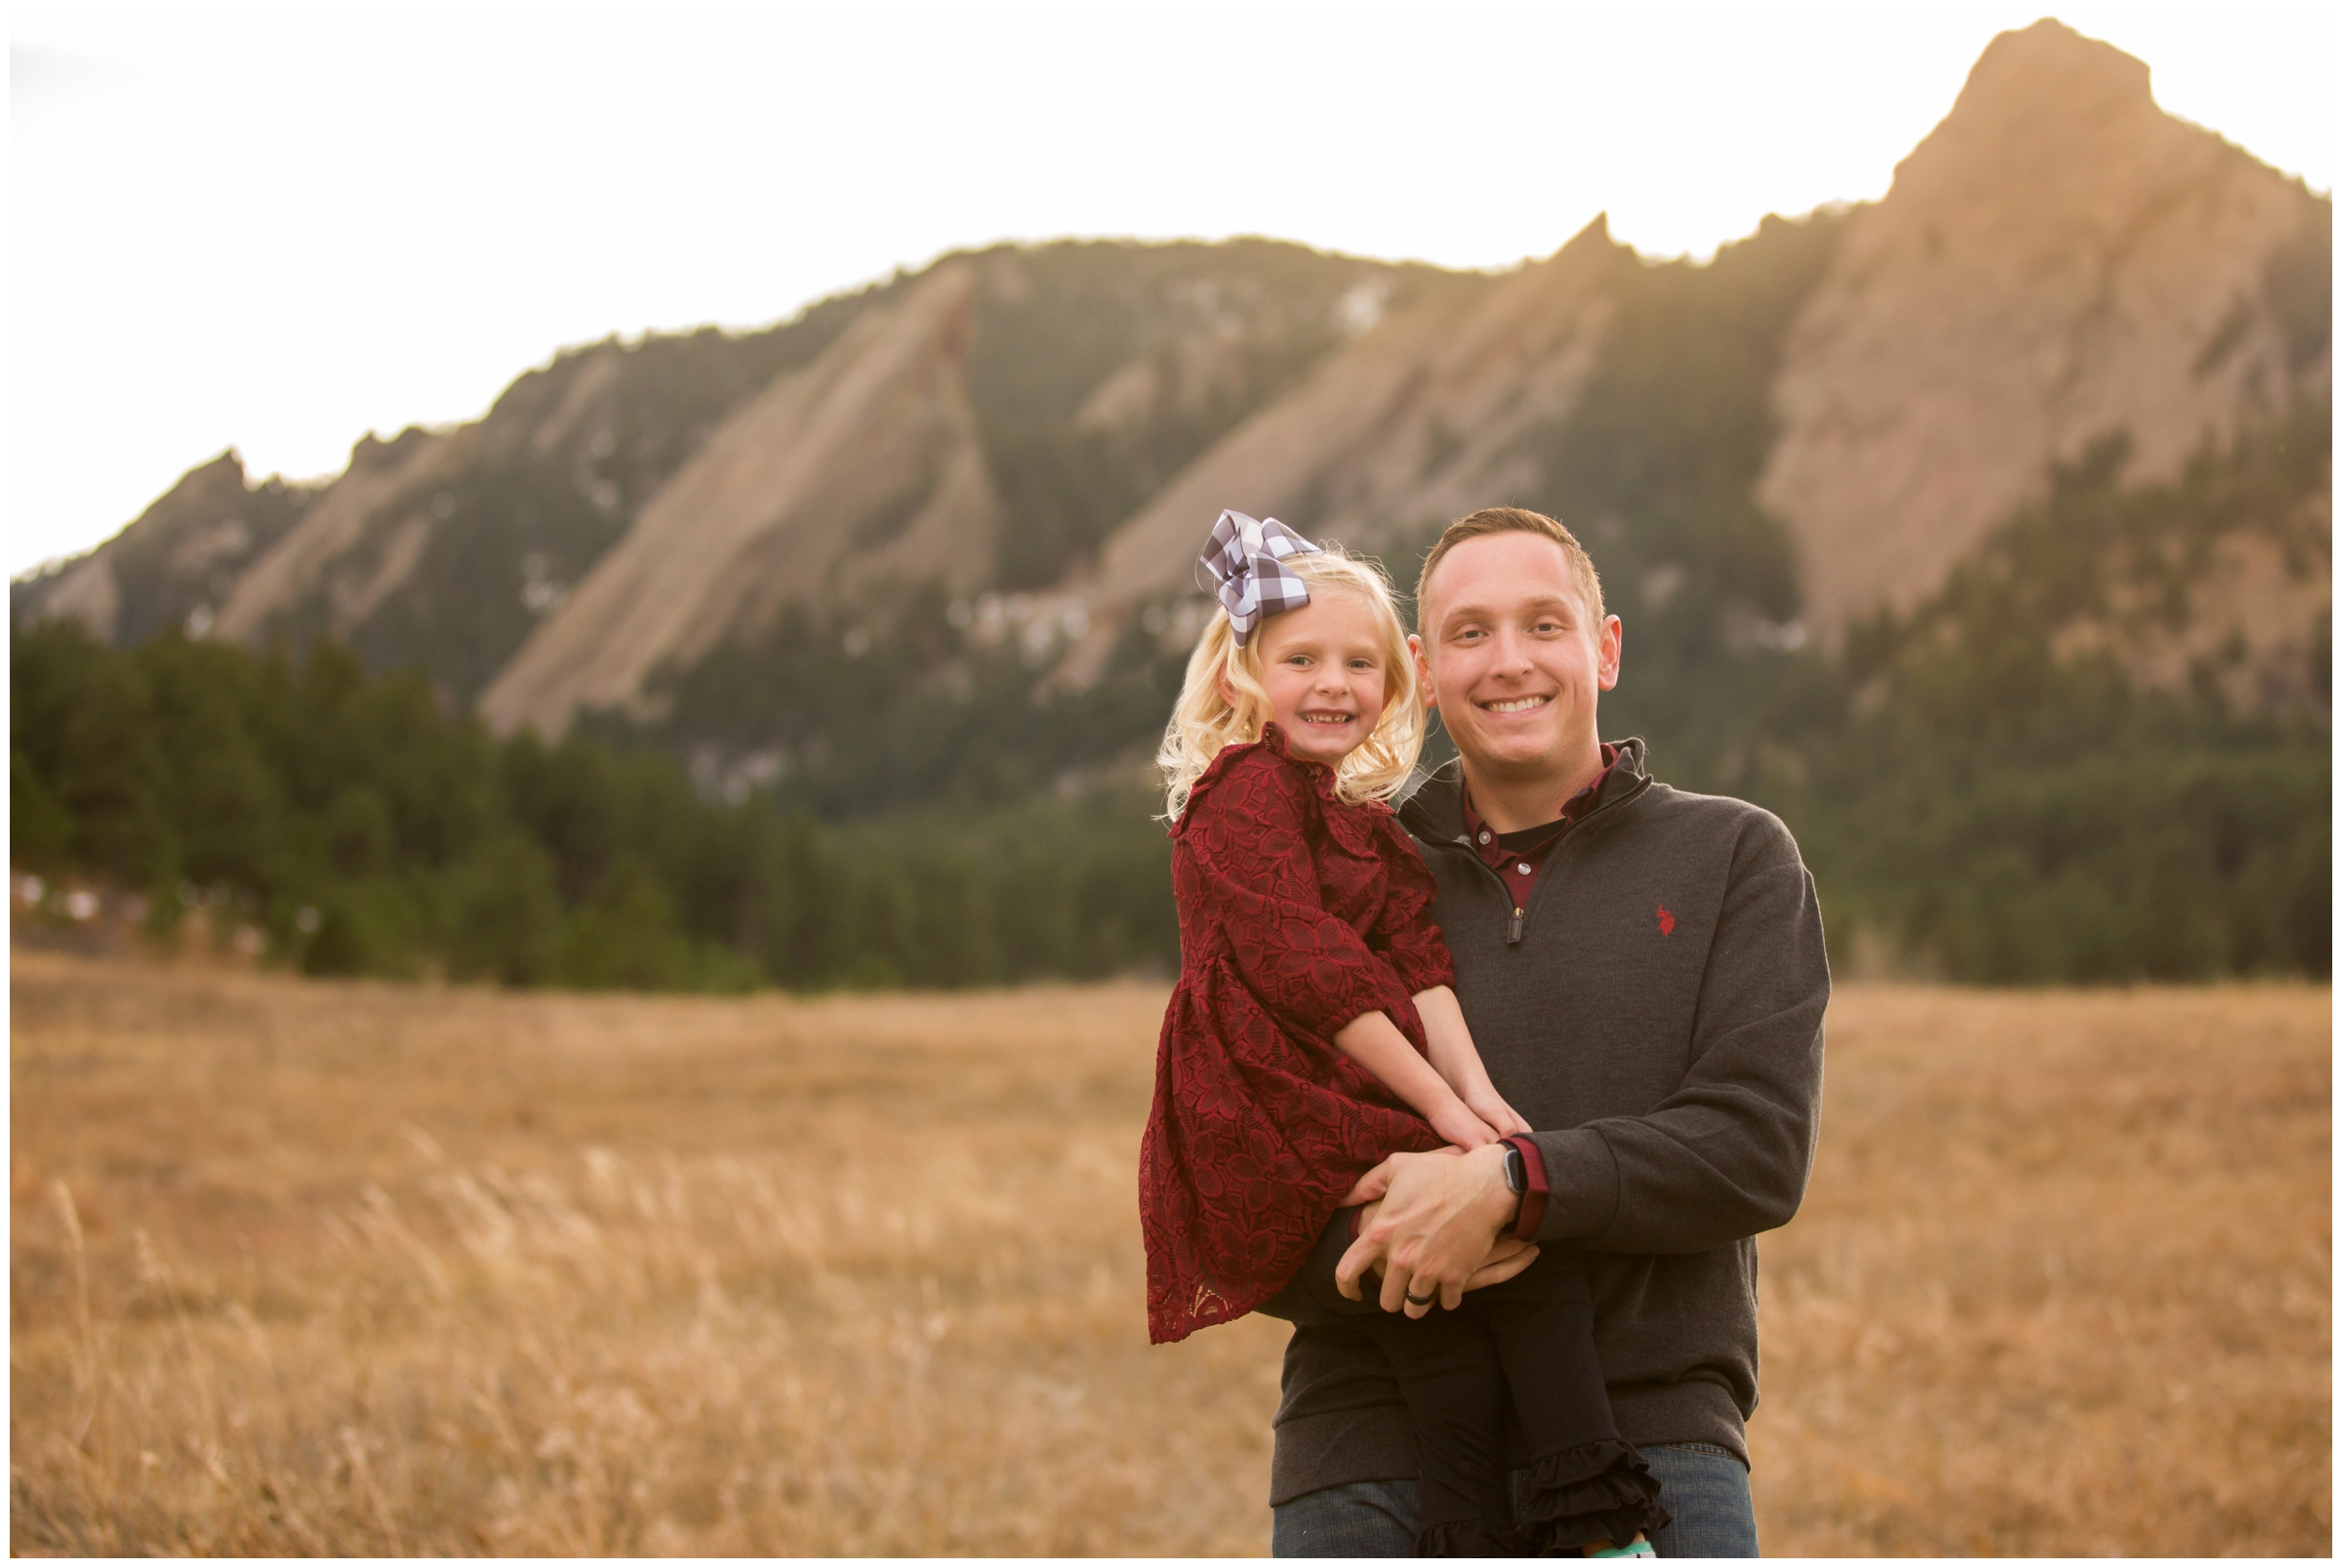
<point x="1414" y="1300"/>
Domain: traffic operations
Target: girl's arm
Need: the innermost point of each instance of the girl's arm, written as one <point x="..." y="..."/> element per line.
<point x="1406" y="932"/>
<point x="1454" y="1058"/>
<point x="1375" y="1043"/>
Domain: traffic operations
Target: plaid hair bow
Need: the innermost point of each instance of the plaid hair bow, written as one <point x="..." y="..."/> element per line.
<point x="1246" y="559"/>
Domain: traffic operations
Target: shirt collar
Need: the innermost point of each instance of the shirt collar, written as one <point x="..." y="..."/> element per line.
<point x="1575" y="806"/>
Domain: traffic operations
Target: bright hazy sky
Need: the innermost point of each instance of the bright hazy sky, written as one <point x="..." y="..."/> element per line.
<point x="279" y="229"/>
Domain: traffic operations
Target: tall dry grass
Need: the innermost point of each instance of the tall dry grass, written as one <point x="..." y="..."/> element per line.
<point x="351" y="1268"/>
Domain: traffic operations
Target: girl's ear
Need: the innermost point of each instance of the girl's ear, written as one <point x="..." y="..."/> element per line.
<point x="1227" y="691"/>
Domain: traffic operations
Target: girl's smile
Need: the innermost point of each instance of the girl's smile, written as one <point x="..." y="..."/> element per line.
<point x="1322" y="667"/>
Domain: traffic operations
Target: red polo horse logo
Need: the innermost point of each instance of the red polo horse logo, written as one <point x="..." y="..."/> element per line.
<point x="1667" y="922"/>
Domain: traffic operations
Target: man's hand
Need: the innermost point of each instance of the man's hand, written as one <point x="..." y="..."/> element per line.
<point x="1434" y="1228"/>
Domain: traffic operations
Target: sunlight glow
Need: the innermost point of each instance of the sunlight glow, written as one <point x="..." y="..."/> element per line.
<point x="279" y="229"/>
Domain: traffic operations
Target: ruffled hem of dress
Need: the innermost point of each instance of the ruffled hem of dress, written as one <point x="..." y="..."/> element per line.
<point x="1599" y="1491"/>
<point x="1172" y="1315"/>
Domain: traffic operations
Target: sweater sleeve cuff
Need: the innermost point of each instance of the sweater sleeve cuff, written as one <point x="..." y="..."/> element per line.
<point x="1581" y="1181"/>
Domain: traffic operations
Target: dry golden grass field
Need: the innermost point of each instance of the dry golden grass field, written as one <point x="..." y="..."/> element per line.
<point x="304" y="1268"/>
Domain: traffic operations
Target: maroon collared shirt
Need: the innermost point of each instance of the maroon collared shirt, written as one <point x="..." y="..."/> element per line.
<point x="1518" y="856"/>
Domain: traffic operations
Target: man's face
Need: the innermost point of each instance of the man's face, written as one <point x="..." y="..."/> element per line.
<point x="1512" y="658"/>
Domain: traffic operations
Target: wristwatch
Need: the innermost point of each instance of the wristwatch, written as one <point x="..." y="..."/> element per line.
<point x="1516" y="1176"/>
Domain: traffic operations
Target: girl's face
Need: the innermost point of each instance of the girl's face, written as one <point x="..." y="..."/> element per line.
<point x="1325" y="672"/>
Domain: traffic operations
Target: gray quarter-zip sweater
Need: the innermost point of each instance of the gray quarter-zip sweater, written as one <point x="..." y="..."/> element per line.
<point x="1655" y="1012"/>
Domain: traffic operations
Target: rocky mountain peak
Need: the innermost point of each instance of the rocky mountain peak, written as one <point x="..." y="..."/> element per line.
<point x="176" y="562"/>
<point x="2029" y="82"/>
<point x="2058" y="263"/>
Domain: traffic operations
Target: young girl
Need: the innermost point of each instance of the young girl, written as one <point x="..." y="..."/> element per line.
<point x="1313" y="1032"/>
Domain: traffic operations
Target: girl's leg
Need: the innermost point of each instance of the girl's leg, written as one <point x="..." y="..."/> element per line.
<point x="1454" y="1383"/>
<point x="1585" y="1483"/>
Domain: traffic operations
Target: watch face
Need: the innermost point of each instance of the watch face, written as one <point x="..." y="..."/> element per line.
<point x="1517" y="1169"/>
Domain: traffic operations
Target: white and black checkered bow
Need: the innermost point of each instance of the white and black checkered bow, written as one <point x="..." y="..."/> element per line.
<point x="1246" y="559"/>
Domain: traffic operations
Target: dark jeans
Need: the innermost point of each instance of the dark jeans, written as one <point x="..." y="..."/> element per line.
<point x="1702" y="1486"/>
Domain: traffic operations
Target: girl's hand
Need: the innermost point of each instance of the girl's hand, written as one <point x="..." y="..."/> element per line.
<point x="1490" y="1107"/>
<point x="1456" y="1123"/>
<point x="1508" y="1257"/>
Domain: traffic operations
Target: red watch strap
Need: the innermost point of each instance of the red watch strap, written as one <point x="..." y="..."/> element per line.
<point x="1532" y="1201"/>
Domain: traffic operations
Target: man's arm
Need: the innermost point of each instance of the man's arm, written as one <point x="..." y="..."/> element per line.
<point x="1727" y="1154"/>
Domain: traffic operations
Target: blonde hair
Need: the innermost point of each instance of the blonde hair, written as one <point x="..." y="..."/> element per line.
<point x="1204" y="723"/>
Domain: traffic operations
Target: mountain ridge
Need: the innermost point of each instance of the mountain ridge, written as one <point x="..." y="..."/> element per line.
<point x="2057" y="262"/>
<point x="883" y="409"/>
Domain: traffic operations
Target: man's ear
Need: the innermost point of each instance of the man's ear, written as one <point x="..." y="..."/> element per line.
<point x="1423" y="670"/>
<point x="1608" y="649"/>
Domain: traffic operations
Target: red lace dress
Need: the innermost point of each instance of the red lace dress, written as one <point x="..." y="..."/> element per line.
<point x="1298" y="912"/>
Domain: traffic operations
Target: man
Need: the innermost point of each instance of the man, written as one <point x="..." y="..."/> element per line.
<point x="1644" y="972"/>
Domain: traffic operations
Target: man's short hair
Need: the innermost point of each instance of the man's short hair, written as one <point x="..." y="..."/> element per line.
<point x="1515" y="520"/>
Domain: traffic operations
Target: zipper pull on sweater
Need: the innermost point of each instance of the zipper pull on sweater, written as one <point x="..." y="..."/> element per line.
<point x="1513" y="932"/>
